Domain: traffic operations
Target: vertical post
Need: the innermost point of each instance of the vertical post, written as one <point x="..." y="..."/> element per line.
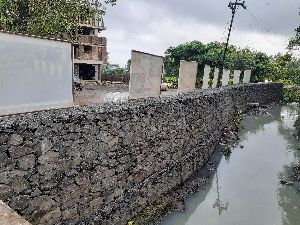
<point x="100" y="74"/>
<point x="233" y="7"/>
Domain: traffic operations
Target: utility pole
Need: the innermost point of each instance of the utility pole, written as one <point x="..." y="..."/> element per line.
<point x="233" y="7"/>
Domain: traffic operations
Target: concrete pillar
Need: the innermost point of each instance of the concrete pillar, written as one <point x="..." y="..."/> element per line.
<point x="145" y="75"/>
<point x="215" y="80"/>
<point x="76" y="73"/>
<point x="236" y="78"/>
<point x="98" y="72"/>
<point x="247" y="76"/>
<point x="207" y="70"/>
<point x="225" y="77"/>
<point x="187" y="76"/>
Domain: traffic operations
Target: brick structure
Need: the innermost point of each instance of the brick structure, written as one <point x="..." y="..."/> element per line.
<point x="90" y="51"/>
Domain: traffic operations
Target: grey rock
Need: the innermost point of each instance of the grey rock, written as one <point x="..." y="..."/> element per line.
<point x="20" y="202"/>
<point x="16" y="140"/>
<point x="3" y="139"/>
<point x="46" y="145"/>
<point x="18" y="152"/>
<point x="96" y="203"/>
<point x="52" y="217"/>
<point x="5" y="190"/>
<point x="19" y="184"/>
<point x="4" y="160"/>
<point x="27" y="162"/>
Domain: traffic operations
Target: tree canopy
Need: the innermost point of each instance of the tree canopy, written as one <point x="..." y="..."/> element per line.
<point x="295" y="42"/>
<point x="279" y="67"/>
<point x="51" y="18"/>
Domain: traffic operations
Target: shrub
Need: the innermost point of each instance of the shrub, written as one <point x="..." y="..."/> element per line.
<point x="173" y="81"/>
<point x="291" y="95"/>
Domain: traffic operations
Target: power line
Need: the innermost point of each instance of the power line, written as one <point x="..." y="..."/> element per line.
<point x="233" y="6"/>
<point x="266" y="28"/>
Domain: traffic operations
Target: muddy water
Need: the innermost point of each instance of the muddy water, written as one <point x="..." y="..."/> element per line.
<point x="245" y="188"/>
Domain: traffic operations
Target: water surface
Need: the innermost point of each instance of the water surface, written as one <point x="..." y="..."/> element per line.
<point x="246" y="188"/>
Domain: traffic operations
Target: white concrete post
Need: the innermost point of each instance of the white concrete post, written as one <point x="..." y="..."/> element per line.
<point x="247" y="76"/>
<point x="236" y="78"/>
<point x="187" y="76"/>
<point x="225" y="77"/>
<point x="215" y="80"/>
<point x="207" y="70"/>
<point x="145" y="75"/>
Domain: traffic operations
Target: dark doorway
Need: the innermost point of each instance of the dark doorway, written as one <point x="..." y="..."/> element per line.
<point x="86" y="72"/>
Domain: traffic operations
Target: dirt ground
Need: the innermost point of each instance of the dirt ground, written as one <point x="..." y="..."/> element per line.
<point x="93" y="94"/>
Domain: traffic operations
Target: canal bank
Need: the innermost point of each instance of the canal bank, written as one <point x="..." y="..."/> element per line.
<point x="105" y="164"/>
<point x="255" y="184"/>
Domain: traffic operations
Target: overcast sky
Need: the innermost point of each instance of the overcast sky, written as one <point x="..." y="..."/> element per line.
<point x="154" y="25"/>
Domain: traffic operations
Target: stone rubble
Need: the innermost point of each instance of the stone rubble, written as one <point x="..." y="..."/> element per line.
<point x="104" y="164"/>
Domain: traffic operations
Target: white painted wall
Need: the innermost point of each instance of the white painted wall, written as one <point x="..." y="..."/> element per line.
<point x="35" y="74"/>
<point x="225" y="77"/>
<point x="187" y="76"/>
<point x="207" y="70"/>
<point x="247" y="76"/>
<point x="236" y="78"/>
<point x="145" y="75"/>
<point x="216" y="76"/>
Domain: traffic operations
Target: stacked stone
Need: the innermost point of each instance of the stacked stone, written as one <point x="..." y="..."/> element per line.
<point x="104" y="164"/>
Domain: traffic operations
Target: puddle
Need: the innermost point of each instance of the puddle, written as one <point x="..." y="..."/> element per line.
<point x="246" y="188"/>
<point x="114" y="97"/>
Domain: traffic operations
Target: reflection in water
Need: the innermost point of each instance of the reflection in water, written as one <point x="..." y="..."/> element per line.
<point x="288" y="196"/>
<point x="218" y="203"/>
<point x="246" y="189"/>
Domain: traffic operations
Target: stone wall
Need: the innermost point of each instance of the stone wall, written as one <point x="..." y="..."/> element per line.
<point x="104" y="164"/>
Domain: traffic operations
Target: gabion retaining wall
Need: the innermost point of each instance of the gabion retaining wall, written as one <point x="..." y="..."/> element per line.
<point x="104" y="164"/>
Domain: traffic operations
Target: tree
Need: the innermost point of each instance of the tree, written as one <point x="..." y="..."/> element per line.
<point x="295" y="42"/>
<point x="50" y="18"/>
<point x="280" y="67"/>
<point x="210" y="54"/>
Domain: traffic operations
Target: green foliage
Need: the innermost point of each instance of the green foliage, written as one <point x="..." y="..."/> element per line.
<point x="297" y="126"/>
<point x="114" y="71"/>
<point x="280" y="67"/>
<point x="291" y="95"/>
<point x="173" y="81"/>
<point x="295" y="42"/>
<point x="227" y="151"/>
<point x="56" y="18"/>
<point x="237" y="121"/>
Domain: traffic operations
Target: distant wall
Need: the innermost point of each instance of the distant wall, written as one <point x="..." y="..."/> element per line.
<point x="124" y="78"/>
<point x="35" y="74"/>
<point x="104" y="164"/>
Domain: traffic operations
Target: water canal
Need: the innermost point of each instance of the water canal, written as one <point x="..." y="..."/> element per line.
<point x="246" y="188"/>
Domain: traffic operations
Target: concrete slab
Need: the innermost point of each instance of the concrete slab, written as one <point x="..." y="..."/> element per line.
<point x="9" y="217"/>
<point x="225" y="77"/>
<point x="145" y="75"/>
<point x="207" y="70"/>
<point x="236" y="78"/>
<point x="187" y="76"/>
<point x="247" y="76"/>
<point x="35" y="74"/>
<point x="215" y="80"/>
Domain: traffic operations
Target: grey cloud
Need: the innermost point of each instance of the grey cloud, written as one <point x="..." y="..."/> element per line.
<point x="275" y="16"/>
<point x="266" y="25"/>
